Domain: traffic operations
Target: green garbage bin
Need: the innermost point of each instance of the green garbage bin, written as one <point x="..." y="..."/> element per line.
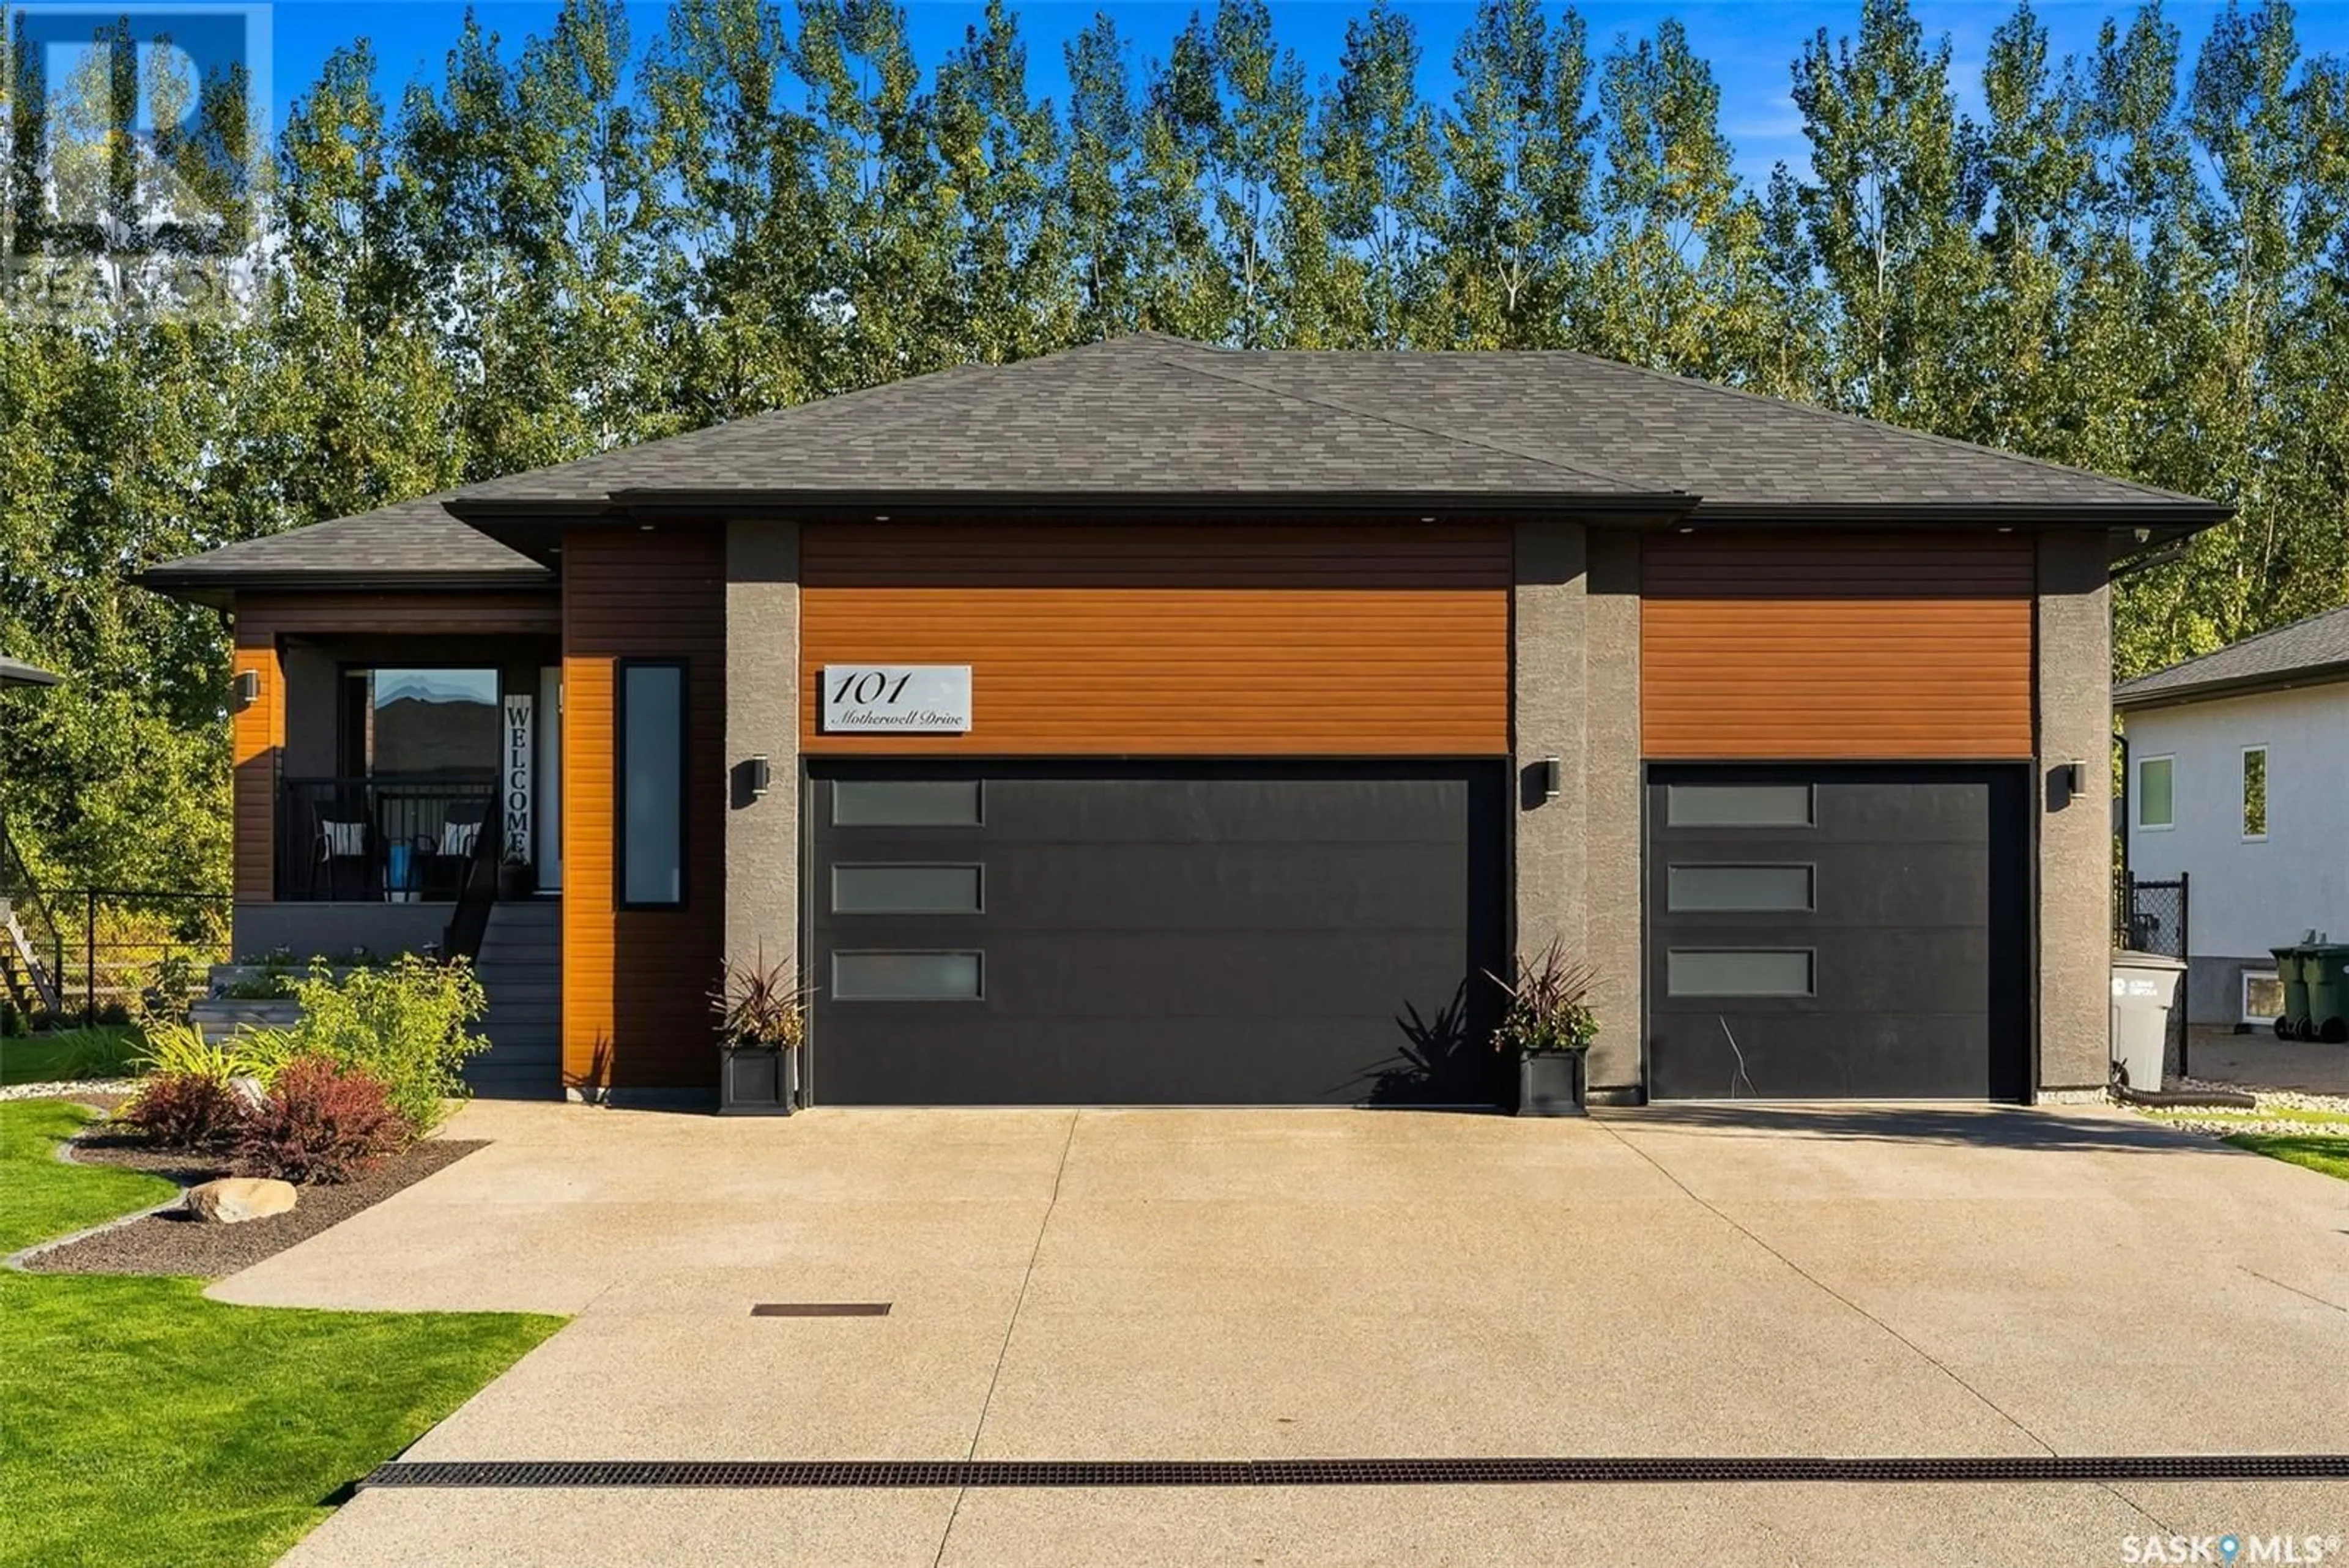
<point x="2325" y="968"/>
<point x="2295" y="993"/>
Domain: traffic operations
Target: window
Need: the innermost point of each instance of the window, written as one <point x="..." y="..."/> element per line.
<point x="906" y="976"/>
<point x="1737" y="805"/>
<point x="420" y="723"/>
<point x="1738" y="971"/>
<point x="652" y="785"/>
<point x="2153" y="802"/>
<point x="907" y="890"/>
<point x="1697" y="888"/>
<point x="905" y="802"/>
<point x="2255" y="791"/>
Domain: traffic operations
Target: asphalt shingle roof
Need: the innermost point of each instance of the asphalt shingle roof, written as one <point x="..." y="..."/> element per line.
<point x="412" y="538"/>
<point x="1148" y="415"/>
<point x="2317" y="646"/>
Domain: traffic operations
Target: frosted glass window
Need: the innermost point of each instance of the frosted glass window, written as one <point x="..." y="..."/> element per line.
<point x="905" y="977"/>
<point x="1707" y="888"/>
<point x="652" y="784"/>
<point x="906" y="889"/>
<point x="1738" y="971"/>
<point x="1738" y="805"/>
<point x="2152" y="802"/>
<point x="904" y="803"/>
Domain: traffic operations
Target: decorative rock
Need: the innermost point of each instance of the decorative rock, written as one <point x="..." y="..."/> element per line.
<point x="248" y="1092"/>
<point x="233" y="1200"/>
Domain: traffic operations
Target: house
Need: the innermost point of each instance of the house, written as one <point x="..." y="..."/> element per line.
<point x="2236" y="763"/>
<point x="1151" y="723"/>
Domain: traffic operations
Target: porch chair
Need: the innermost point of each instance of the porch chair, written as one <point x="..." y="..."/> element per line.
<point x="340" y="844"/>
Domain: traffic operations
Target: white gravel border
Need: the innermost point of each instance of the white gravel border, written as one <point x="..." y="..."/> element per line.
<point x="2219" y="1124"/>
<point x="70" y="1089"/>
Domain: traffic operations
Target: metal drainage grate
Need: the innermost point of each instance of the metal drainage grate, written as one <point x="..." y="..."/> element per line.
<point x="820" y="1309"/>
<point x="875" y="1473"/>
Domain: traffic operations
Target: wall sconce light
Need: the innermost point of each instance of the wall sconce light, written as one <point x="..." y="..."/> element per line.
<point x="760" y="777"/>
<point x="2072" y="779"/>
<point x="248" y="688"/>
<point x="1553" y="778"/>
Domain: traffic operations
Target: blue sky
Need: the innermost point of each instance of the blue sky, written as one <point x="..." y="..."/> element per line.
<point x="1749" y="45"/>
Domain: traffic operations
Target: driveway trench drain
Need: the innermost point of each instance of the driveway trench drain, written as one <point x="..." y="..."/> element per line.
<point x="820" y="1309"/>
<point x="895" y="1473"/>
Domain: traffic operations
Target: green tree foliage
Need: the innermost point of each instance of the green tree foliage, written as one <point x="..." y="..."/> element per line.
<point x="2136" y="259"/>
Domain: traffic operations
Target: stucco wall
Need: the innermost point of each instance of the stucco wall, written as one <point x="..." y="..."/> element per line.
<point x="331" y="928"/>
<point x="762" y="650"/>
<point x="2074" y="724"/>
<point x="1612" y="803"/>
<point x="2248" y="895"/>
<point x="1576" y="668"/>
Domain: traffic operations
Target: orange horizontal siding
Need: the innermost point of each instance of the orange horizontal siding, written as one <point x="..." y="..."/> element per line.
<point x="1088" y="641"/>
<point x="1811" y="646"/>
<point x="635" y="981"/>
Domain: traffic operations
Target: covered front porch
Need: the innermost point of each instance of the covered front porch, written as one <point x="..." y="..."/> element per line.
<point x="392" y="778"/>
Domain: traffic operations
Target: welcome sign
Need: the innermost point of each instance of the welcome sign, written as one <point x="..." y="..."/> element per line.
<point x="514" y="778"/>
<point x="897" y="699"/>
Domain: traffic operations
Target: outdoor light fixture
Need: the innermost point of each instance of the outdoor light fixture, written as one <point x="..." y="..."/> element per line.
<point x="248" y="688"/>
<point x="1553" y="774"/>
<point x="2074" y="779"/>
<point x="760" y="777"/>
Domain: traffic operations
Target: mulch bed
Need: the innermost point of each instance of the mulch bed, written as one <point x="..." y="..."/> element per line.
<point x="174" y="1241"/>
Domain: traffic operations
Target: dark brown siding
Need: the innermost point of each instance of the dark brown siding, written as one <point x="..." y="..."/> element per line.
<point x="635" y="981"/>
<point x="1090" y="640"/>
<point x="1825" y="647"/>
<point x="257" y="732"/>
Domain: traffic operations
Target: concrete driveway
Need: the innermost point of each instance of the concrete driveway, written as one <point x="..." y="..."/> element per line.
<point x="1169" y="1284"/>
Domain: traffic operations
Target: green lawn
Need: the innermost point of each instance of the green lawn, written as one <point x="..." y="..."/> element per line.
<point x="2327" y="1154"/>
<point x="141" y="1423"/>
<point x="2273" y="1114"/>
<point x="103" y="1050"/>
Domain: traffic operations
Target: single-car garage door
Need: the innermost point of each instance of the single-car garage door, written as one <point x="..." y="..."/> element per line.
<point x="1156" y="934"/>
<point x="1822" y="933"/>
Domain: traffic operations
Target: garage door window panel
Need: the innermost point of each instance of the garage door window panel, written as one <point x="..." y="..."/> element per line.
<point x="1740" y="889"/>
<point x="901" y="975"/>
<point x="1740" y="972"/>
<point x="908" y="890"/>
<point x="909" y="803"/>
<point x="1739" y="805"/>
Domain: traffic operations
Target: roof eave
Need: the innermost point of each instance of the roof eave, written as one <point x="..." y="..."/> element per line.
<point x="2159" y="519"/>
<point x="2326" y="674"/>
<point x="218" y="587"/>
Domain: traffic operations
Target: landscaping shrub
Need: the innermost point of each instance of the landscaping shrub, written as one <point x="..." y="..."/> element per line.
<point x="13" y="1024"/>
<point x="180" y="1050"/>
<point x="320" y="1123"/>
<point x="187" y="1110"/>
<point x="403" y="1023"/>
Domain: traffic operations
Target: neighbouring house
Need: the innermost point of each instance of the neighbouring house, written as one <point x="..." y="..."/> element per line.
<point x="2237" y="764"/>
<point x="1151" y="723"/>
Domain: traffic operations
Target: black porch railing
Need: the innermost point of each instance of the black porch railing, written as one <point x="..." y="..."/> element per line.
<point x="404" y="840"/>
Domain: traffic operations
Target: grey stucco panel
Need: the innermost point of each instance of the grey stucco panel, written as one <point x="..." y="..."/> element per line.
<point x="1612" y="803"/>
<point x="1551" y="703"/>
<point x="2075" y="845"/>
<point x="762" y="706"/>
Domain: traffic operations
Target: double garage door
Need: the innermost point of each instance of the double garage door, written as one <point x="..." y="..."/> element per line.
<point x="1300" y="934"/>
<point x="1826" y="933"/>
<point x="1217" y="934"/>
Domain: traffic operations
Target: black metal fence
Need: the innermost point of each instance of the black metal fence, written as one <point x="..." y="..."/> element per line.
<point x="111" y="952"/>
<point x="2150" y="916"/>
<point x="366" y="838"/>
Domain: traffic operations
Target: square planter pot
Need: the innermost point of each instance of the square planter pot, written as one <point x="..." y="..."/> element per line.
<point x="758" y="1082"/>
<point x="1550" y="1084"/>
